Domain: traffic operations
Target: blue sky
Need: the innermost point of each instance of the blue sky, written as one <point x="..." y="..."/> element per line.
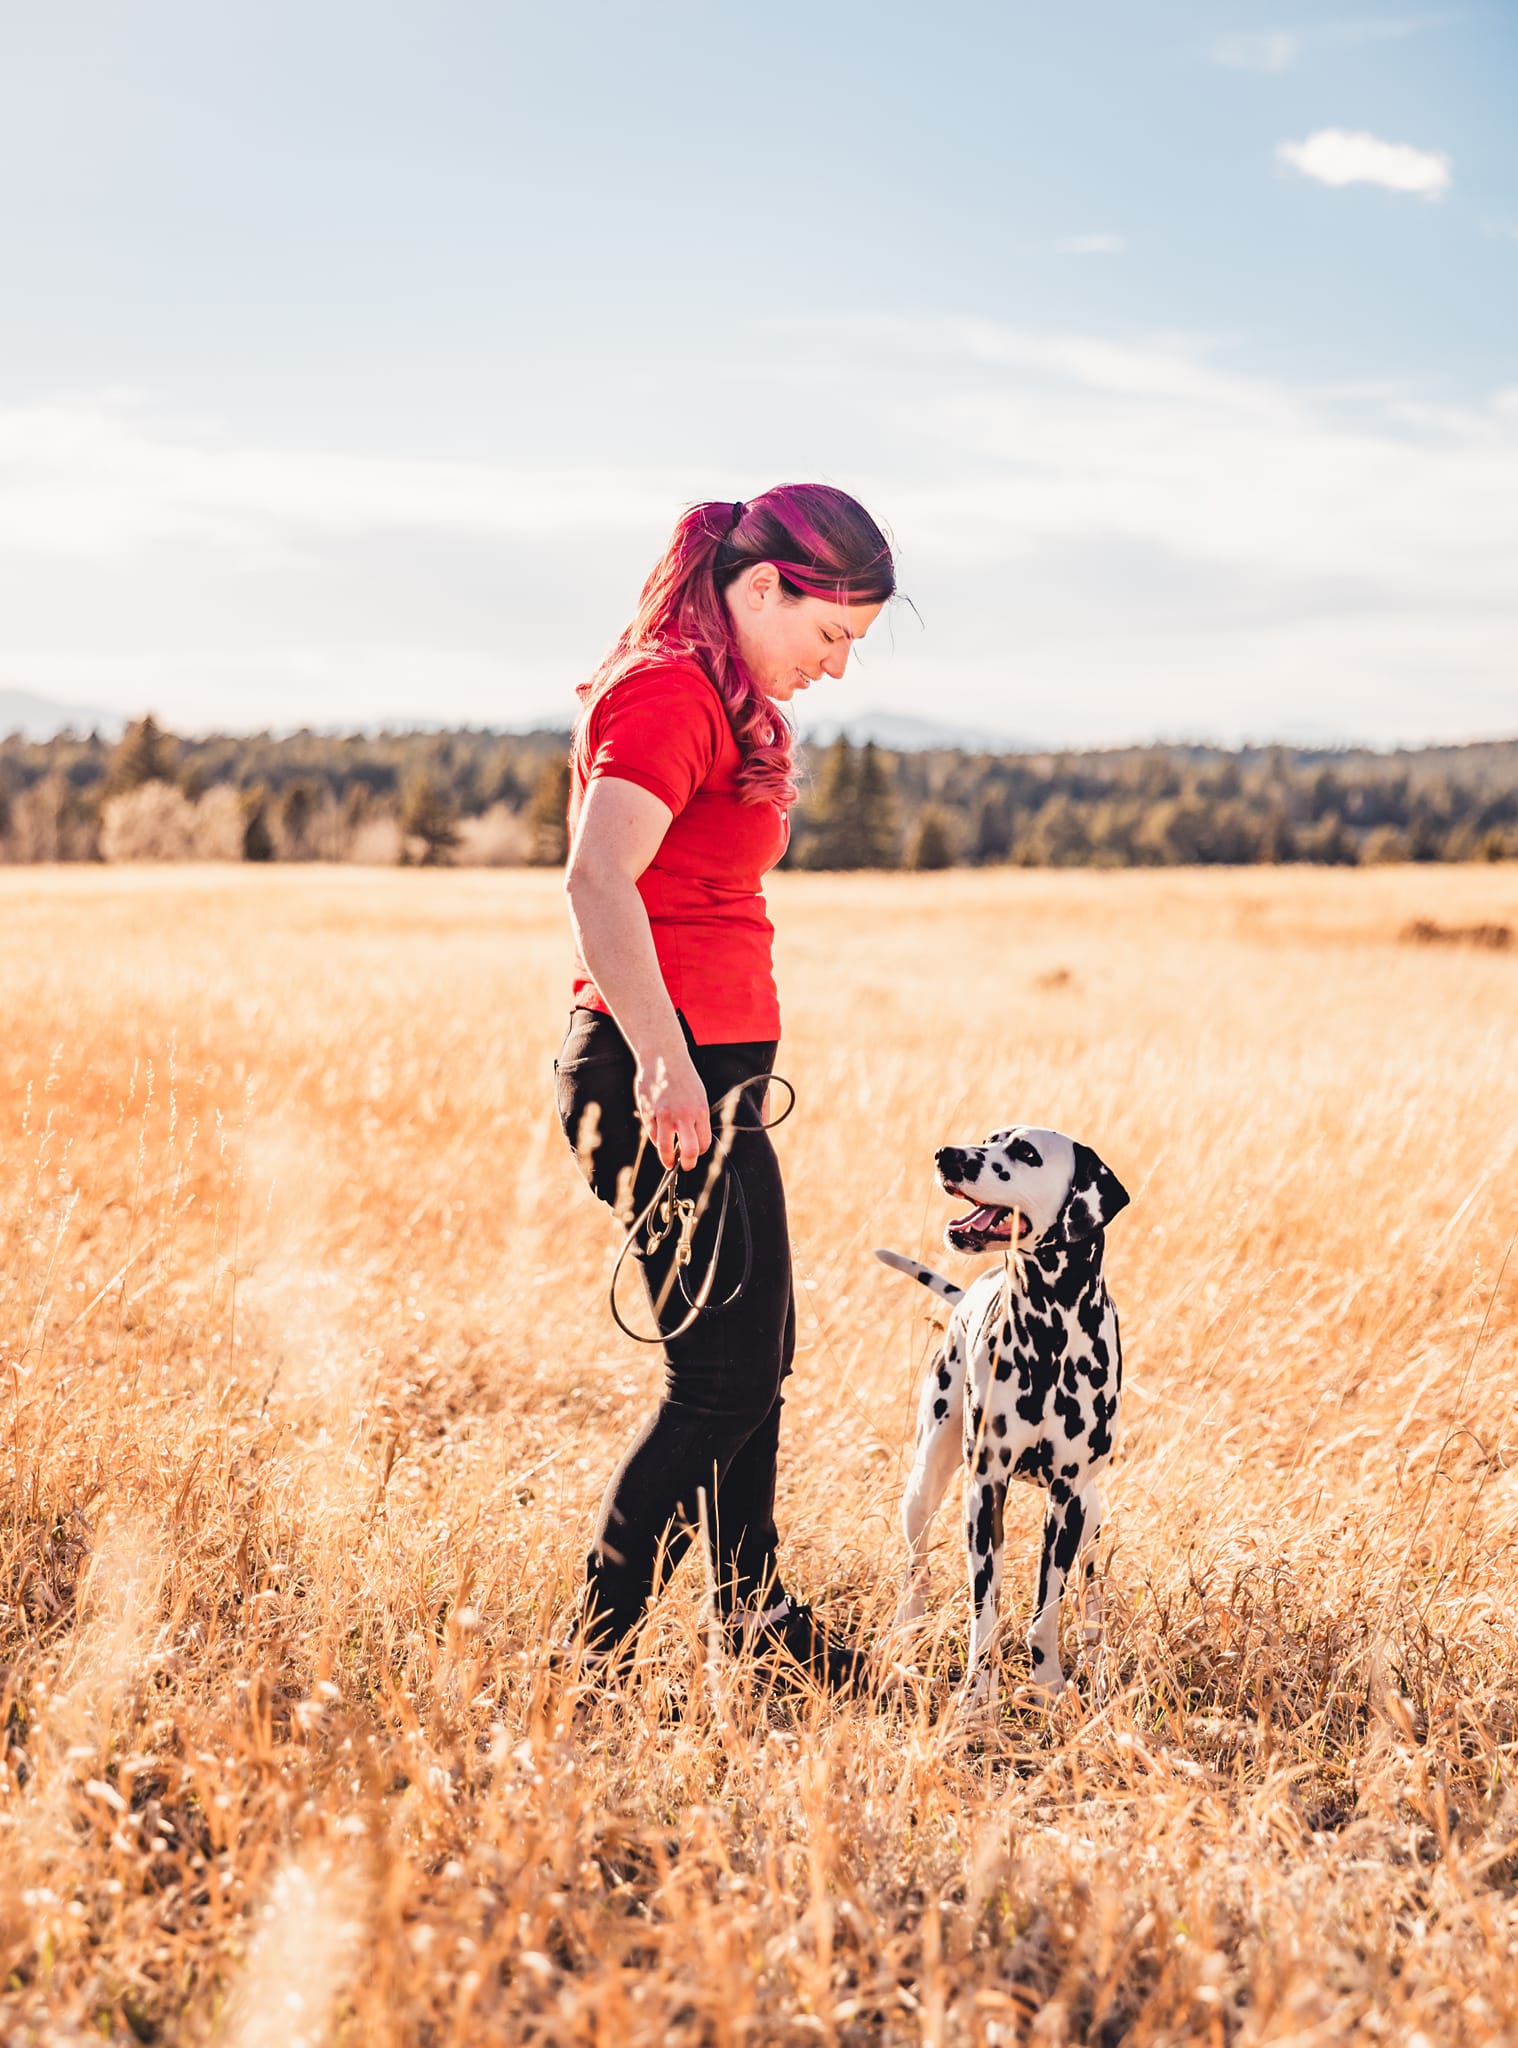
<point x="355" y="360"/>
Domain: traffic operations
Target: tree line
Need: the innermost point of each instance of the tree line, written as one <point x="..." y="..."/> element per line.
<point x="491" y="799"/>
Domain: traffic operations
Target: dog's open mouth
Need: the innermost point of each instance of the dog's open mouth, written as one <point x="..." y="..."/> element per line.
<point x="984" y="1226"/>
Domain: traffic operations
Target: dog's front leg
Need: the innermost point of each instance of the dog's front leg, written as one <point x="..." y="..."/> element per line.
<point x="985" y="1503"/>
<point x="1091" y="1585"/>
<point x="1070" y="1524"/>
<point x="940" y="1423"/>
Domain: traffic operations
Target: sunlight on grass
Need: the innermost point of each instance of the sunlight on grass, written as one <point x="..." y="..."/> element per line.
<point x="310" y="1390"/>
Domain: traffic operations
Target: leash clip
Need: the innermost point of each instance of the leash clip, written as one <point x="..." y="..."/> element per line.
<point x="686" y="1211"/>
<point x="662" y="1220"/>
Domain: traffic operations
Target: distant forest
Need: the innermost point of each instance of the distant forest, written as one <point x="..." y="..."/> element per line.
<point x="483" y="798"/>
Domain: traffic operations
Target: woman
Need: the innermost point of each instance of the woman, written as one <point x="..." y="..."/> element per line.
<point x="680" y="793"/>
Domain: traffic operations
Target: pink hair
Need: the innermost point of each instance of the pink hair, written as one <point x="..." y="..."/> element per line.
<point x="823" y="543"/>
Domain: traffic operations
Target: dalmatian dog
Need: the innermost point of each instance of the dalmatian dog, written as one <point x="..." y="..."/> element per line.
<point x="1026" y="1385"/>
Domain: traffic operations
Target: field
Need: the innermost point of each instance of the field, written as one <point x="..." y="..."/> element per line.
<point x="309" y="1390"/>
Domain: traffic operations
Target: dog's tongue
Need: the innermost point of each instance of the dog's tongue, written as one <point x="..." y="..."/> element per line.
<point x="983" y="1218"/>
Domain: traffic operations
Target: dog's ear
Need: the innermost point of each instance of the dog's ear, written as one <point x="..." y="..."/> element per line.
<point x="1096" y="1195"/>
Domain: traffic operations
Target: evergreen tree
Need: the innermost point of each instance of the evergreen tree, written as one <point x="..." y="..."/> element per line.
<point x="355" y="809"/>
<point x="257" y="839"/>
<point x="875" y="812"/>
<point x="144" y="753"/>
<point x="991" y="834"/>
<point x="294" y="815"/>
<point x="930" y="847"/>
<point x="548" y="815"/>
<point x="428" y="815"/>
<point x="835" y="835"/>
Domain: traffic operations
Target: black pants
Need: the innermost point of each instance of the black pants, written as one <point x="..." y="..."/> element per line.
<point x="718" y="1425"/>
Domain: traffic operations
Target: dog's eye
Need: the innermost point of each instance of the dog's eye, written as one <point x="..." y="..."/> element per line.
<point x="1028" y="1154"/>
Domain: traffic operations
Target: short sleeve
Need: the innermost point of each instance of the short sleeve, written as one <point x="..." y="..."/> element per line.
<point x="662" y="728"/>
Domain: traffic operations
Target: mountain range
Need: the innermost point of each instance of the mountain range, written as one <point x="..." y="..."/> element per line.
<point x="42" y="718"/>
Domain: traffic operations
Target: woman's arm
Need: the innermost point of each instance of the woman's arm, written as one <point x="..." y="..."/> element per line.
<point x="619" y="830"/>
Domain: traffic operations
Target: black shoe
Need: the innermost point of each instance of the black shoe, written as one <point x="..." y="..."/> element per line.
<point x="792" y="1635"/>
<point x="595" y="1647"/>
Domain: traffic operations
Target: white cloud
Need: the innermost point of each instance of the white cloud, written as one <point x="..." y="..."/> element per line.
<point x="1279" y="49"/>
<point x="1336" y="156"/>
<point x="1105" y="539"/>
<point x="1090" y="245"/>
<point x="1270" y="52"/>
<point x="89" y="478"/>
<point x="1240" y="474"/>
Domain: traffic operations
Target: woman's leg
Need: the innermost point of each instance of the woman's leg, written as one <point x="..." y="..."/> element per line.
<point x="722" y="1377"/>
<point x="746" y="1537"/>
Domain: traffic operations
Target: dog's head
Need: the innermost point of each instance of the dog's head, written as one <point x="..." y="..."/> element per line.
<point x="1029" y="1187"/>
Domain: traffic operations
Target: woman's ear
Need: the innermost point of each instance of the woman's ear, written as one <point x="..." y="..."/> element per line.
<point x="757" y="585"/>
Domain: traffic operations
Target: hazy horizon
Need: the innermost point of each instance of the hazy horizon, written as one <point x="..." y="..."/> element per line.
<point x="896" y="731"/>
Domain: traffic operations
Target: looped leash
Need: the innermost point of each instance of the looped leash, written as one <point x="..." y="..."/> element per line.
<point x="668" y="1211"/>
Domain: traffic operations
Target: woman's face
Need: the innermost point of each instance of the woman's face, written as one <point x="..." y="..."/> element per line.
<point x="787" y="643"/>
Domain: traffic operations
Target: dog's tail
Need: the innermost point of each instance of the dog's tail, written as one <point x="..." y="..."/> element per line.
<point x="944" y="1288"/>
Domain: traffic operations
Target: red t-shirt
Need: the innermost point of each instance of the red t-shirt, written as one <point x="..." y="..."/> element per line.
<point x="664" y="728"/>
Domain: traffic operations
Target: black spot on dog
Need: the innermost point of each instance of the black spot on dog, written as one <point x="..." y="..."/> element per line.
<point x="984" y="1531"/>
<point x="998" y="1424"/>
<point x="1036" y="1654"/>
<point x="1035" y="1461"/>
<point x="1069" y="1471"/>
<point x="1067" y="1544"/>
<point x="1036" y="1388"/>
<point x="944" y="1378"/>
<point x="940" y="1410"/>
<point x="1068" y="1409"/>
<point x="1105" y="1407"/>
<point x="1068" y="1284"/>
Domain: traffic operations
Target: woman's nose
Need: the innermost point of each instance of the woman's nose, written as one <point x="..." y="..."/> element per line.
<point x="835" y="662"/>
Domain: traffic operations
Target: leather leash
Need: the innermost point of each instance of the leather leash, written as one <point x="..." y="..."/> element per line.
<point x="667" y="1210"/>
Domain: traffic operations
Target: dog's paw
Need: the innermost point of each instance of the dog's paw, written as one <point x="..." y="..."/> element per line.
<point x="975" y="1703"/>
<point x="1097" y="1665"/>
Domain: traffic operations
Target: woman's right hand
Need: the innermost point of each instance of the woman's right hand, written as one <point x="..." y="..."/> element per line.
<point x="672" y="1105"/>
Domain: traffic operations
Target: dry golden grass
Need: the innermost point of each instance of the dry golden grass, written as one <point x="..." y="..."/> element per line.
<point x="309" y="1389"/>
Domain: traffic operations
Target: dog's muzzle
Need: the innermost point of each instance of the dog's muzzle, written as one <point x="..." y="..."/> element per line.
<point x="988" y="1223"/>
